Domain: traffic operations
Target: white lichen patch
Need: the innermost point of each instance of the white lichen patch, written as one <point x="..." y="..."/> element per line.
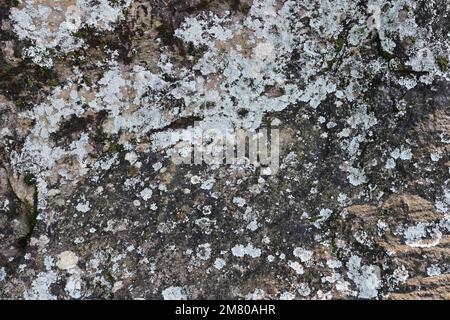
<point x="248" y="250"/>
<point x="422" y="235"/>
<point x="303" y="254"/>
<point x="287" y="296"/>
<point x="83" y="207"/>
<point x="297" y="267"/>
<point x="74" y="286"/>
<point x="51" y="25"/>
<point x="366" y="277"/>
<point x="204" y="251"/>
<point x="2" y="274"/>
<point x="67" y="260"/>
<point x="40" y="287"/>
<point x="240" y="202"/>
<point x="146" y="194"/>
<point x="219" y="263"/>
<point x="174" y="293"/>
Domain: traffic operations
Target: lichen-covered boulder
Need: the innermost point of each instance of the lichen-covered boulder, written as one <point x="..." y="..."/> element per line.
<point x="117" y="182"/>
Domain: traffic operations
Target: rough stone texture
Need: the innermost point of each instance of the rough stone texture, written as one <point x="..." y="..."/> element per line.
<point x="92" y="94"/>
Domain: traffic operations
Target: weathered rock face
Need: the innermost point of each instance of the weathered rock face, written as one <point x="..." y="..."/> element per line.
<point x="96" y="97"/>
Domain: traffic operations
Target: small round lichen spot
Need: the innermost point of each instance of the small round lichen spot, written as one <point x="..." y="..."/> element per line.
<point x="219" y="263"/>
<point x="67" y="260"/>
<point x="146" y="194"/>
